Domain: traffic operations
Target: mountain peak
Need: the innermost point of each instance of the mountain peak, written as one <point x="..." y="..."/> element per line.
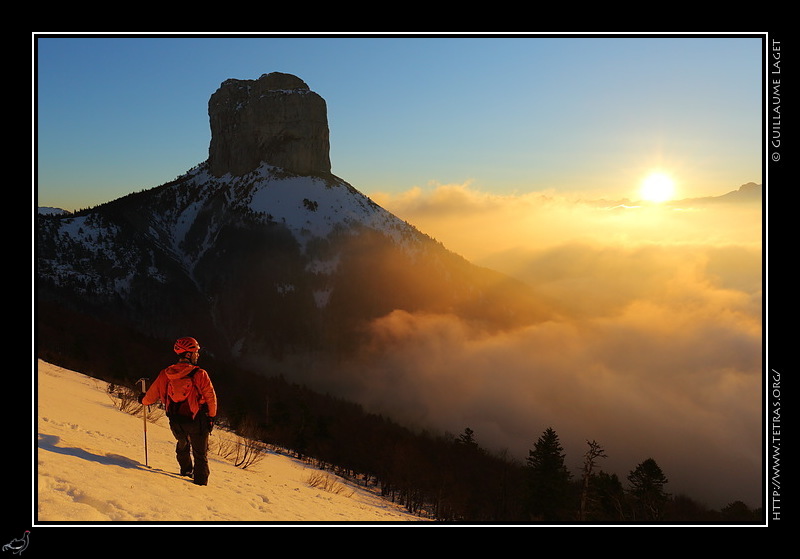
<point x="275" y="119"/>
<point x="260" y="250"/>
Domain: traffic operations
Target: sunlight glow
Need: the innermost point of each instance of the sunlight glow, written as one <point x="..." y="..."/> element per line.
<point x="657" y="187"/>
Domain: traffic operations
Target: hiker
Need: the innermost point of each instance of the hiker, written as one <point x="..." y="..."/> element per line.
<point x="191" y="403"/>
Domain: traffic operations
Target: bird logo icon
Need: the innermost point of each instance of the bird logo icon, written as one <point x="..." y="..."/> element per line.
<point x="18" y="545"/>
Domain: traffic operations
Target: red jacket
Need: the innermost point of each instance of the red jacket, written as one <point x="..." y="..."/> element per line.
<point x="203" y="395"/>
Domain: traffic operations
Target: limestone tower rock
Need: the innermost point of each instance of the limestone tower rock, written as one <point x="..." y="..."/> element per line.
<point x="275" y="119"/>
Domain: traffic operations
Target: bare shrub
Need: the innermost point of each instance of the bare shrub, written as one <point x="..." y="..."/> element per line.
<point x="327" y="483"/>
<point x="243" y="449"/>
<point x="126" y="399"/>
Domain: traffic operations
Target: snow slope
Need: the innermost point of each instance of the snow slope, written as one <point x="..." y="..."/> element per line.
<point x="91" y="469"/>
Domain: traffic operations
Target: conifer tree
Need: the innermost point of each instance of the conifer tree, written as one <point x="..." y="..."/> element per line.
<point x="647" y="487"/>
<point x="467" y="438"/>
<point x="548" y="479"/>
<point x="610" y="497"/>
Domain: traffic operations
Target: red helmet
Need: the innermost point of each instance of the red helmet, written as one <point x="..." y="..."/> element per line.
<point x="186" y="344"/>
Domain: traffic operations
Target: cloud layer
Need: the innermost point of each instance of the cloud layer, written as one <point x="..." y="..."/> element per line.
<point x="655" y="348"/>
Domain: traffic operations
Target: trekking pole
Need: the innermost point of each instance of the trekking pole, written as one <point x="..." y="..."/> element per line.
<point x="144" y="419"/>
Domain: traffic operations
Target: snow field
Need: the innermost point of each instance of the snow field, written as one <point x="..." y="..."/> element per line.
<point x="90" y="468"/>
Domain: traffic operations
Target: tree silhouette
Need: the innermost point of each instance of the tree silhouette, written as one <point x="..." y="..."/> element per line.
<point x="647" y="487"/>
<point x="467" y="438"/>
<point x="590" y="457"/>
<point x="548" y="479"/>
<point x="737" y="511"/>
<point x="610" y="497"/>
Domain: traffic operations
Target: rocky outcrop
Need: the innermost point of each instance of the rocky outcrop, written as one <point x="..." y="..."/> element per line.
<point x="275" y="119"/>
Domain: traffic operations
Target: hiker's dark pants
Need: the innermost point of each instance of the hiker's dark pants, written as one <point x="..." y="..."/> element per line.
<point x="192" y="439"/>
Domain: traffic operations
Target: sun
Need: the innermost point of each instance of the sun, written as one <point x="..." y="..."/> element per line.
<point x="657" y="187"/>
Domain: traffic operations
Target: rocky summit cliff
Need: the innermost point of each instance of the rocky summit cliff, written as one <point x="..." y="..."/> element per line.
<point x="275" y="118"/>
<point x="259" y="251"/>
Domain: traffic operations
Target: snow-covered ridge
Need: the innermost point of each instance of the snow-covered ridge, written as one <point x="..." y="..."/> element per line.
<point x="309" y="207"/>
<point x="45" y="210"/>
<point x="95" y="240"/>
<point x="184" y="218"/>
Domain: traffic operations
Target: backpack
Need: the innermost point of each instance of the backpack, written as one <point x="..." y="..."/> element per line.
<point x="178" y="391"/>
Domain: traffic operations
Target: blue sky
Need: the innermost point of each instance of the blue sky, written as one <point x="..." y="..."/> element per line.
<point x="116" y="115"/>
